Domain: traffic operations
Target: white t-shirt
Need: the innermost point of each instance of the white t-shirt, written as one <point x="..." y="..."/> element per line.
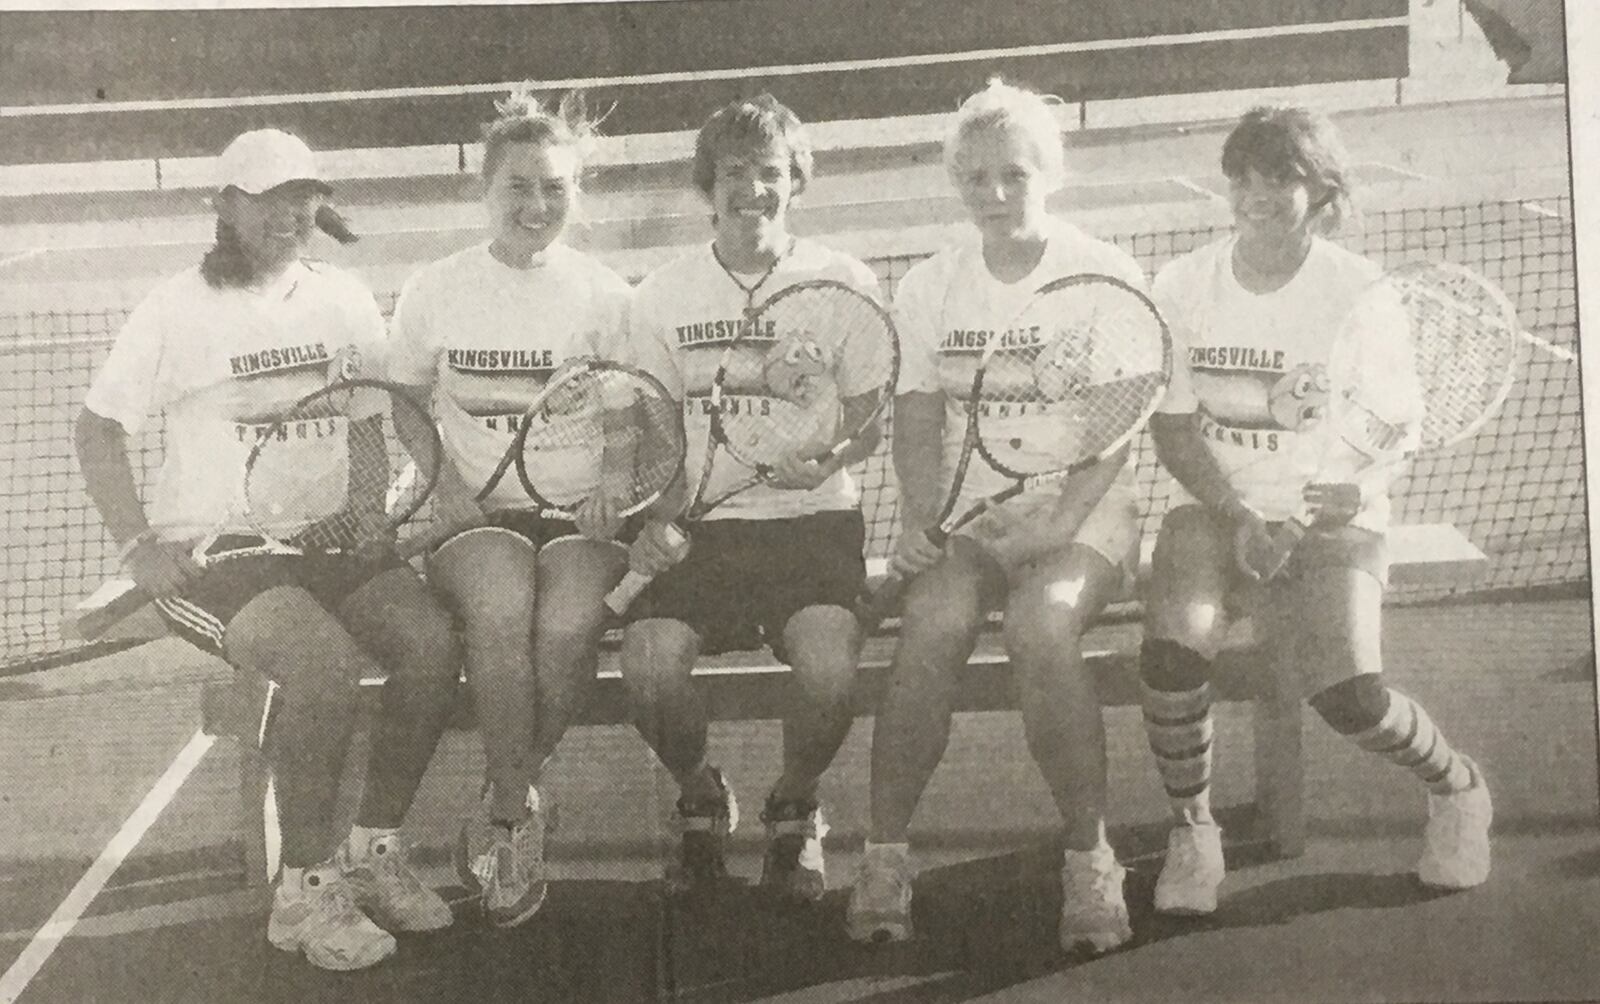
<point x="485" y="337"/>
<point x="224" y="364"/>
<point x="1254" y="366"/>
<point x="949" y="306"/>
<point x="682" y="318"/>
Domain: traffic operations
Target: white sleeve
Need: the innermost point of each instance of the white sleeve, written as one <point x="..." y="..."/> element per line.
<point x="606" y="334"/>
<point x="133" y="384"/>
<point x="1169" y="299"/>
<point x="646" y="345"/>
<point x="1123" y="266"/>
<point x="917" y="326"/>
<point x="412" y="353"/>
<point x="864" y="279"/>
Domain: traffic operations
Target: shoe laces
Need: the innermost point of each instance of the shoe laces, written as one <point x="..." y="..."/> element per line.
<point x="334" y="896"/>
<point x="1092" y="879"/>
<point x="883" y="878"/>
<point x="392" y="865"/>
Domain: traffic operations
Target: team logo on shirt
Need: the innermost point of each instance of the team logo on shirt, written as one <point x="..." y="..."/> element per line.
<point x="1299" y="398"/>
<point x="494" y="385"/>
<point x="1251" y="396"/>
<point x="974" y="341"/>
<point x="271" y="360"/>
<point x="798" y="368"/>
<point x="706" y="334"/>
<point x="266" y="383"/>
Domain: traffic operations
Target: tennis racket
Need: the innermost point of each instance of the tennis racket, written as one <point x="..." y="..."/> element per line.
<point x="595" y="427"/>
<point x="328" y="476"/>
<point x="808" y="374"/>
<point x="1064" y="385"/>
<point x="1426" y="356"/>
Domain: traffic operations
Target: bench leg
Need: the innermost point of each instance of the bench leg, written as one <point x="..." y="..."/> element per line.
<point x="258" y="802"/>
<point x="1280" y="773"/>
<point x="258" y="812"/>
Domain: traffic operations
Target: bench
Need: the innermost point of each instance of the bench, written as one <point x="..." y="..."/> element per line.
<point x="739" y="687"/>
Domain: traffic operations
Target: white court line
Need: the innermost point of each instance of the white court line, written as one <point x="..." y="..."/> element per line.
<point x="474" y="225"/>
<point x="61" y="922"/>
<point x="1415" y="175"/>
<point x="1560" y="353"/>
<point x="23" y="256"/>
<point x="736" y="73"/>
<point x="1196" y="187"/>
<point x="1539" y="210"/>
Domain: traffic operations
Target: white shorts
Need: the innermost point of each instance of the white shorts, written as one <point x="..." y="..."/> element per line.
<point x="1017" y="532"/>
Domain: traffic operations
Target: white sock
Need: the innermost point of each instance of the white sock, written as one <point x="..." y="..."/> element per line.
<point x="358" y="845"/>
<point x="291" y="880"/>
<point x="900" y="850"/>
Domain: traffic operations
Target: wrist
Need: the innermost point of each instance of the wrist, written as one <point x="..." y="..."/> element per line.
<point x="1239" y="513"/>
<point x="133" y="543"/>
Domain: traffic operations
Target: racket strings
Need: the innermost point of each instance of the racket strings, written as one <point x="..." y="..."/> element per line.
<point x="607" y="430"/>
<point x="1465" y="345"/>
<point x="827" y="361"/>
<point x="338" y="470"/>
<point x="1069" y="379"/>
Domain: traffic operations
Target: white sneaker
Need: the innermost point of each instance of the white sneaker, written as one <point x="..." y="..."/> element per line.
<point x="1455" y="853"/>
<point x="506" y="867"/>
<point x="1093" y="911"/>
<point x="1192" y="871"/>
<point x="794" y="865"/>
<point x="323" y="921"/>
<point x="880" y="899"/>
<point x="389" y="891"/>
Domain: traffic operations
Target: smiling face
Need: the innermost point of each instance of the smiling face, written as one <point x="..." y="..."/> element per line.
<point x="751" y="188"/>
<point x="530" y="198"/>
<point x="273" y="227"/>
<point x="999" y="174"/>
<point x="1269" y="210"/>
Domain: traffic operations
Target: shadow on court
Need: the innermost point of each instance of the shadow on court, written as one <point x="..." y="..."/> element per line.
<point x="986" y="930"/>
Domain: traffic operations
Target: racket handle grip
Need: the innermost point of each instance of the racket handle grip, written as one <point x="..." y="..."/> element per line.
<point x="874" y="606"/>
<point x="625" y="592"/>
<point x="91" y="624"/>
<point x="1284" y="542"/>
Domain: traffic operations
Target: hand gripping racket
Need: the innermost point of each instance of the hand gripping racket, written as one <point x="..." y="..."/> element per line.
<point x="1426" y="356"/>
<point x="1064" y="385"/>
<point x="595" y="427"/>
<point x="327" y="476"/>
<point x="808" y="375"/>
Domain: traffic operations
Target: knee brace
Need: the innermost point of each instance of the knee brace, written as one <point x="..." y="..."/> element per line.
<point x="1169" y="666"/>
<point x="1353" y="706"/>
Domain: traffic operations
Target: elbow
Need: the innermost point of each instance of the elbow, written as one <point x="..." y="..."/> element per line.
<point x="1171" y="435"/>
<point x="95" y="436"/>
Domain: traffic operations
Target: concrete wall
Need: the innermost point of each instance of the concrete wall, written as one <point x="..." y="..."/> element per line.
<point x="93" y="57"/>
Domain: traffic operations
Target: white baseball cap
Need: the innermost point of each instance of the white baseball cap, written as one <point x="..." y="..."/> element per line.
<point x="265" y="158"/>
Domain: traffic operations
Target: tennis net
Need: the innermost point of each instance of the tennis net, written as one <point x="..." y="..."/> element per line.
<point x="1516" y="489"/>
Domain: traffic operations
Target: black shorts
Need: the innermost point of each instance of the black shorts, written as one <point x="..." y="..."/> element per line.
<point x="743" y="578"/>
<point x="202" y="610"/>
<point x="541" y="530"/>
<point x="1340" y="547"/>
<point x="1350" y="547"/>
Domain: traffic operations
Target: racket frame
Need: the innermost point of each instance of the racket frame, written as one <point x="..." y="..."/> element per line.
<point x="92" y="623"/>
<point x="718" y="439"/>
<point x="1022" y="482"/>
<point x="1294" y="529"/>
<point x="945" y="525"/>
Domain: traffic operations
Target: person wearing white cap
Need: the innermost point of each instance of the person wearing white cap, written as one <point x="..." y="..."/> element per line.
<point x="218" y="348"/>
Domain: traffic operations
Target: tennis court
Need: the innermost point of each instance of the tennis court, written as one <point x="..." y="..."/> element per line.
<point x="1506" y="663"/>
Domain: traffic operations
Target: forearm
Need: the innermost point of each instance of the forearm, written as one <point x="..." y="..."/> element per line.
<point x="1079" y="495"/>
<point x="102" y="451"/>
<point x="918" y="455"/>
<point x="1183" y="453"/>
